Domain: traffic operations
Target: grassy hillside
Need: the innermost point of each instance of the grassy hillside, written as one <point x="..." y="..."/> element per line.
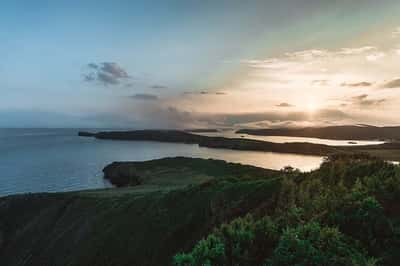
<point x="128" y="226"/>
<point x="179" y="171"/>
<point x="345" y="213"/>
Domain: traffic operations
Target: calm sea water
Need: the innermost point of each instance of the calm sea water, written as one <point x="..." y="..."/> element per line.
<point x="50" y="160"/>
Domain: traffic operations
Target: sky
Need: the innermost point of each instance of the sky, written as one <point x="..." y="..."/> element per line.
<point x="186" y="64"/>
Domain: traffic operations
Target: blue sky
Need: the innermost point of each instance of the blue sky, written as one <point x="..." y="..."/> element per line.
<point x="170" y="50"/>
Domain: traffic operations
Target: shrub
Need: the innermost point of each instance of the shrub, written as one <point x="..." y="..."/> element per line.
<point x="311" y="244"/>
<point x="244" y="241"/>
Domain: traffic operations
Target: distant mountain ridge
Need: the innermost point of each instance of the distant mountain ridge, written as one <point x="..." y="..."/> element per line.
<point x="351" y="132"/>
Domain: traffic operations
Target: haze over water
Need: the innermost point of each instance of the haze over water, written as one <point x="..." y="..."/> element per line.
<point x="50" y="160"/>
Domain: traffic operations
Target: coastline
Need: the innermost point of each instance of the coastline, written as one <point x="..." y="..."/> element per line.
<point x="386" y="151"/>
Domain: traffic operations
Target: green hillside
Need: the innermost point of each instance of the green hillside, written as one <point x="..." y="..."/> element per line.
<point x="345" y="213"/>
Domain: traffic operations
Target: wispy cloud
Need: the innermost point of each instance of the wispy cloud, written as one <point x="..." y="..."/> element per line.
<point x="356" y="84"/>
<point x="375" y="56"/>
<point x="392" y="84"/>
<point x="145" y="97"/>
<point x="204" y="93"/>
<point x="320" y="82"/>
<point x="363" y="100"/>
<point x="284" y="105"/>
<point x="157" y="86"/>
<point x="396" y="32"/>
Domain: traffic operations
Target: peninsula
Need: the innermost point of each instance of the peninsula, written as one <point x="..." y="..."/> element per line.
<point x="387" y="151"/>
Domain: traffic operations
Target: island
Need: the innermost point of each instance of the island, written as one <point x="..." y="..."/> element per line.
<point x="349" y="132"/>
<point x="387" y="151"/>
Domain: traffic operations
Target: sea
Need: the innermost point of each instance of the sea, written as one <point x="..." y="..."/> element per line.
<point x="58" y="160"/>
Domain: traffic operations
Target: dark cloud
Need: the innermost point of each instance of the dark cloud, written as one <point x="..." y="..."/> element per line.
<point x="89" y="77"/>
<point x="107" y="73"/>
<point x="284" y="105"/>
<point x="357" y="84"/>
<point x="158" y="87"/>
<point x="93" y="66"/>
<point x="145" y="96"/>
<point x="176" y="116"/>
<point x="114" y="70"/>
<point x="107" y="79"/>
<point x="363" y="100"/>
<point x="205" y="93"/>
<point x="392" y="84"/>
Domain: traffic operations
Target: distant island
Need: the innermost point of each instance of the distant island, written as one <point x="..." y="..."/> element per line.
<point x="387" y="151"/>
<point x="202" y="130"/>
<point x="352" y="132"/>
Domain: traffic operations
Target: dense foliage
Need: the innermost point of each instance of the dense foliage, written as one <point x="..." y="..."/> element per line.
<point x="345" y="213"/>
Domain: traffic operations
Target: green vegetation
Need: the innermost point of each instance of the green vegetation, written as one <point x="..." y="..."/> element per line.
<point x="206" y="212"/>
<point x="180" y="171"/>
<point x="345" y="213"/>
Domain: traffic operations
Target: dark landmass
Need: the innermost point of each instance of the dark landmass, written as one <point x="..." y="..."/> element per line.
<point x="178" y="171"/>
<point x="202" y="130"/>
<point x="387" y="151"/>
<point x="345" y="213"/>
<point x="356" y="132"/>
<point x="85" y="134"/>
<point x="140" y="225"/>
<point x="177" y="136"/>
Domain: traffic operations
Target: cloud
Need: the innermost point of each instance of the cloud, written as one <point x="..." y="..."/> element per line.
<point x="320" y="82"/>
<point x="106" y="73"/>
<point x="107" y="79"/>
<point x="356" y="84"/>
<point x="297" y="59"/>
<point x="356" y="51"/>
<point x="396" y="32"/>
<point x="177" y="116"/>
<point x="363" y="101"/>
<point x="284" y="105"/>
<point x="93" y="66"/>
<point x="114" y="70"/>
<point x="375" y="56"/>
<point x="158" y="87"/>
<point x="89" y="77"/>
<point x="392" y="84"/>
<point x="145" y="96"/>
<point x="204" y="93"/>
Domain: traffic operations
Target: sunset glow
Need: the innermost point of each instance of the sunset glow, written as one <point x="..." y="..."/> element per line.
<point x="205" y="73"/>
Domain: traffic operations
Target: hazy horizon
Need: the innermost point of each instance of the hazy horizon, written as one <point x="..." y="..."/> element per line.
<point x="191" y="64"/>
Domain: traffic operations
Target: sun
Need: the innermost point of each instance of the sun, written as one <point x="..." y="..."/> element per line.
<point x="312" y="106"/>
